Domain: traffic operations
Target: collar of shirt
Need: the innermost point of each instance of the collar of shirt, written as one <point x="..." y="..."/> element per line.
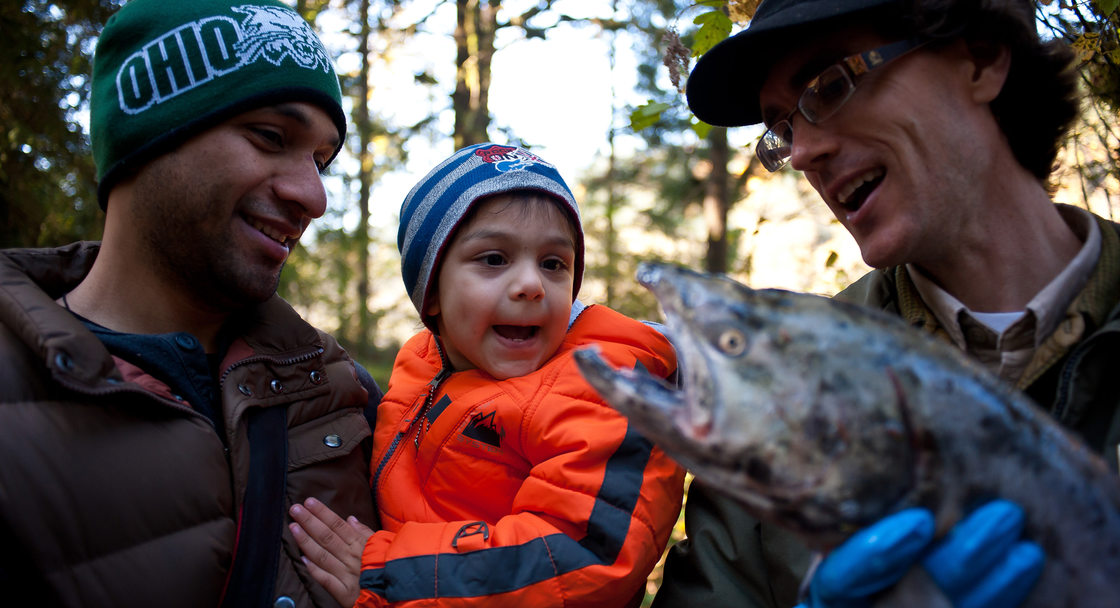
<point x="177" y="359"/>
<point x="1042" y="315"/>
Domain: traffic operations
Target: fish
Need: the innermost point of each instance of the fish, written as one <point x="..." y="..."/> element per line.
<point x="822" y="417"/>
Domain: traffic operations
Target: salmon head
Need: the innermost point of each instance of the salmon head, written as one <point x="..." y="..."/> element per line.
<point x="794" y="404"/>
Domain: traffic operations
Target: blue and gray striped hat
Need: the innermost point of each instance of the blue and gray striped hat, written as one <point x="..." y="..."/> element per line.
<point x="438" y="203"/>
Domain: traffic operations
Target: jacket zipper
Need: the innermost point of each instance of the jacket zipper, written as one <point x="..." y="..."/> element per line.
<point x="120" y="388"/>
<point x="418" y="422"/>
<point x="421" y="422"/>
<point x="307" y="356"/>
<point x="64" y="379"/>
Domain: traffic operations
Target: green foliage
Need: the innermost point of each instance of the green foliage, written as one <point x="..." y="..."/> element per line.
<point x="1092" y="165"/>
<point x="647" y="114"/>
<point x="714" y="27"/>
<point x="701" y="128"/>
<point x="47" y="177"/>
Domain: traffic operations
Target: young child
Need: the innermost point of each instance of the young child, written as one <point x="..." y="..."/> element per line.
<point x="501" y="478"/>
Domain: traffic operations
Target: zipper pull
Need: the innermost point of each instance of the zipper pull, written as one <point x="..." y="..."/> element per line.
<point x="420" y="421"/>
<point x="429" y="396"/>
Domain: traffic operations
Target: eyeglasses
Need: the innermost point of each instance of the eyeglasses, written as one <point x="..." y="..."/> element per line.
<point x="824" y="96"/>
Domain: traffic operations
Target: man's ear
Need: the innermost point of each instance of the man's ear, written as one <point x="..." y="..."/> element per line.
<point x="991" y="65"/>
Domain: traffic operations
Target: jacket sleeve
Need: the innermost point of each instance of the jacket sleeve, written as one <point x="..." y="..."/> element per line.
<point x="585" y="528"/>
<point x="730" y="559"/>
<point x="369" y="410"/>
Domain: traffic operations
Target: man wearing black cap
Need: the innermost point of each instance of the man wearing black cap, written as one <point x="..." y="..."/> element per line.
<point x="160" y="406"/>
<point x="929" y="128"/>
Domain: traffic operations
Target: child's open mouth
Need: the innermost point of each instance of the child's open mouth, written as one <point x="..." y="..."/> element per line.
<point x="517" y="332"/>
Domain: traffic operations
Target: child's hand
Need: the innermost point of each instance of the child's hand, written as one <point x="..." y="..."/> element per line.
<point x="332" y="548"/>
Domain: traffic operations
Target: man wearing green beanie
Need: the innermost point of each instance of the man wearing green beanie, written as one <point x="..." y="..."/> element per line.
<point x="161" y="405"/>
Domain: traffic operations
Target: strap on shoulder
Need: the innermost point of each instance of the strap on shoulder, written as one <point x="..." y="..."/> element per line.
<point x="252" y="579"/>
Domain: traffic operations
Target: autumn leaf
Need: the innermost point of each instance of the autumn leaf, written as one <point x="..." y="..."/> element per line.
<point x="1086" y="45"/>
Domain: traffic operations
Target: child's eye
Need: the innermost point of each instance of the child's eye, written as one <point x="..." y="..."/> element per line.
<point x="553" y="264"/>
<point x="493" y="259"/>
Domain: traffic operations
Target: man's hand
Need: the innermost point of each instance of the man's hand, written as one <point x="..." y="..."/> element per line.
<point x="332" y="548"/>
<point x="981" y="562"/>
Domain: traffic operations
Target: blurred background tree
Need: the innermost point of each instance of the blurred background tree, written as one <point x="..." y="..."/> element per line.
<point x="47" y="178"/>
<point x="661" y="186"/>
<point x="1091" y="161"/>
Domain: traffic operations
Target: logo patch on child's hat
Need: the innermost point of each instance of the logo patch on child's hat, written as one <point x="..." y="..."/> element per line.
<point x="508" y="158"/>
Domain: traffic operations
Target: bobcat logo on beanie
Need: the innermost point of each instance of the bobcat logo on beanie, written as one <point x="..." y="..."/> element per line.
<point x="165" y="71"/>
<point x="273" y="33"/>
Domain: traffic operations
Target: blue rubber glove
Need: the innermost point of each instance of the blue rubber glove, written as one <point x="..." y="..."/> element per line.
<point x="981" y="562"/>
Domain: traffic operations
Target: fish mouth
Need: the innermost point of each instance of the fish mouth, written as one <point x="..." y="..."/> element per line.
<point x="684" y="296"/>
<point x="658" y="408"/>
<point x="646" y="400"/>
<point x="679" y="416"/>
<point x="689" y="421"/>
<point x="690" y="409"/>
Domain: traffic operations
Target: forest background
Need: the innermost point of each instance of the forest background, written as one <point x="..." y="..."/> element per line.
<point x="583" y="83"/>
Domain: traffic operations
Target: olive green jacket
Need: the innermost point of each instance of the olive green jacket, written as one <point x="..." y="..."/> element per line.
<point x="731" y="559"/>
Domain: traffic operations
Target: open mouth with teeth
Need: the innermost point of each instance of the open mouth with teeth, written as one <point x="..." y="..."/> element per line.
<point x="855" y="192"/>
<point x="517" y="332"/>
<point x="279" y="237"/>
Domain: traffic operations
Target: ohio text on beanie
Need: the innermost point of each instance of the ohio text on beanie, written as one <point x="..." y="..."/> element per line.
<point x="164" y="71"/>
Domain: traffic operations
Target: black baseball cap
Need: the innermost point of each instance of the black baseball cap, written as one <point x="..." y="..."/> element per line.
<point x="724" y="86"/>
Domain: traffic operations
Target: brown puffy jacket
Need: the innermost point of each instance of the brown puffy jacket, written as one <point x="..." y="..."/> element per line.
<point x="114" y="494"/>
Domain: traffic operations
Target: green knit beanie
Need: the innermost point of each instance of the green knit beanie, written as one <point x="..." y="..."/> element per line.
<point x="166" y="70"/>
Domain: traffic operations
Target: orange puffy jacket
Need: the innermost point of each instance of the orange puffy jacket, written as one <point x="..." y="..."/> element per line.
<point x="529" y="491"/>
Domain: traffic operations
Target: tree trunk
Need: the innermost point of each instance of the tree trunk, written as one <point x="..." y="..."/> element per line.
<point x="717" y="201"/>
<point x="610" y="271"/>
<point x="474" y="42"/>
<point x="364" y="337"/>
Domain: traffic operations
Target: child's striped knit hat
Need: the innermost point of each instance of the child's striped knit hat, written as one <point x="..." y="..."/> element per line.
<point x="438" y="203"/>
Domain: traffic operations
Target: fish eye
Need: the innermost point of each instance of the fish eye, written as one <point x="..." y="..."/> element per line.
<point x="732" y="342"/>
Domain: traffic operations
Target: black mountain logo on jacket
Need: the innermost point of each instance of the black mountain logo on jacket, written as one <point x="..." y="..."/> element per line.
<point x="481" y="427"/>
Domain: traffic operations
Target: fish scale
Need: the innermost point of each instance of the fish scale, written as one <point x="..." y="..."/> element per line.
<point x="822" y="417"/>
